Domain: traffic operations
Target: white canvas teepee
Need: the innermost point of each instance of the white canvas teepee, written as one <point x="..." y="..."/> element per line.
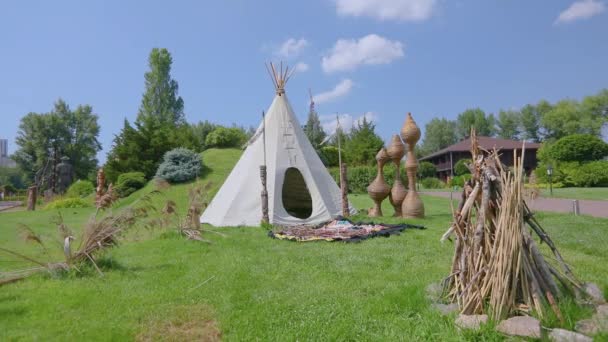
<point x="300" y="189"/>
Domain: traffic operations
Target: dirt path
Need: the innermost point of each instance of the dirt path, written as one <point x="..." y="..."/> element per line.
<point x="6" y="205"/>
<point x="558" y="205"/>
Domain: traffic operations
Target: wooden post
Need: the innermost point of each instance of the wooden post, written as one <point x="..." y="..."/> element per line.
<point x="32" y="196"/>
<point x="101" y="184"/>
<point x="265" y="218"/>
<point x="344" y="190"/>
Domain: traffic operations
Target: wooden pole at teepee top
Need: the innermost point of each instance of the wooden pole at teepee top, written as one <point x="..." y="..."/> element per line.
<point x="265" y="218"/>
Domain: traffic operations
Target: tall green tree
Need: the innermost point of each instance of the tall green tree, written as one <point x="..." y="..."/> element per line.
<point x="567" y="117"/>
<point x="438" y="134"/>
<point x="44" y="138"/>
<point x="477" y="118"/>
<point x="529" y="119"/>
<point x="313" y="129"/>
<point x="362" y="144"/>
<point x="507" y="125"/>
<point x="124" y="155"/>
<point x="160" y="124"/>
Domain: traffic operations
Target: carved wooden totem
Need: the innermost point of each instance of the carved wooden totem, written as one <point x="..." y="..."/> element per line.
<point x="396" y="151"/>
<point x="378" y="190"/>
<point x="412" y="206"/>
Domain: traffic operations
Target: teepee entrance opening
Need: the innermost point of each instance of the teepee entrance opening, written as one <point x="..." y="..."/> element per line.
<point x="296" y="197"/>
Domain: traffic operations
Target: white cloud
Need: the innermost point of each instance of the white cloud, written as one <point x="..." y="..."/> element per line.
<point x="329" y="122"/>
<point x="404" y="10"/>
<point x="291" y="47"/>
<point x="347" y="54"/>
<point x="301" y="67"/>
<point x="341" y="89"/>
<point x="583" y="9"/>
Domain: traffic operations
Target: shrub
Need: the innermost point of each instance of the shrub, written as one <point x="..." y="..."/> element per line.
<point x="578" y="147"/>
<point x="68" y="203"/>
<point x="459" y="180"/>
<point x="359" y="177"/>
<point x="180" y="165"/>
<point x="427" y="170"/>
<point x="130" y="182"/>
<point x="8" y="189"/>
<point x="80" y="188"/>
<point x="329" y="156"/>
<point x="226" y="137"/>
<point x="589" y="174"/>
<point x="432" y="183"/>
<point x="461" y="167"/>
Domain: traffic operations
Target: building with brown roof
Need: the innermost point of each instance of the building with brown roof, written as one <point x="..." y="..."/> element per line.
<point x="445" y="159"/>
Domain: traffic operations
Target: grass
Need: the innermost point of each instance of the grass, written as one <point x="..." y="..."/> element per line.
<point x="598" y="194"/>
<point x="250" y="287"/>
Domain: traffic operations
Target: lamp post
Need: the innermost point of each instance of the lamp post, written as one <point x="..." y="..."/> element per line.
<point x="550" y="175"/>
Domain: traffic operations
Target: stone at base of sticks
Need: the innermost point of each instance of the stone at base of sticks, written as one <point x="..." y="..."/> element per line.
<point x="524" y="326"/>
<point x="472" y="322"/>
<point x="598" y="323"/>
<point x="434" y="291"/>
<point x="561" y="335"/>
<point x="445" y="309"/>
<point x="594" y="292"/>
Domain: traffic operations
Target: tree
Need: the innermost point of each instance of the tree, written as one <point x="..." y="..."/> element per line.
<point x="362" y="144"/>
<point x="44" y="138"/>
<point x="123" y="157"/>
<point x="529" y="119"/>
<point x="313" y="129"/>
<point x="226" y="137"/>
<point x="426" y="170"/>
<point x="578" y="147"/>
<point x="160" y="124"/>
<point x="567" y="117"/>
<point x="484" y="125"/>
<point x="438" y="134"/>
<point x="460" y="168"/>
<point x="508" y="124"/>
<point x="597" y="105"/>
<point x="200" y="131"/>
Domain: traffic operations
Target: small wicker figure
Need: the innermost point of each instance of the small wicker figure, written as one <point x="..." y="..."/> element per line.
<point x="412" y="206"/>
<point x="378" y="190"/>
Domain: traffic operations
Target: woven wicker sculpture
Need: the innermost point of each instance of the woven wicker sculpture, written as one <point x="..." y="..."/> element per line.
<point x="412" y="206"/>
<point x="378" y="190"/>
<point x="396" y="151"/>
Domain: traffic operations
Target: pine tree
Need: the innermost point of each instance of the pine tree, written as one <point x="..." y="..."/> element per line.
<point x="160" y="125"/>
<point x="362" y="144"/>
<point x="313" y="129"/>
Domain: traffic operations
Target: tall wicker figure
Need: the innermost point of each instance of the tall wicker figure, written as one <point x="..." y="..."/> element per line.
<point x="378" y="190"/>
<point x="396" y="151"/>
<point x="412" y="206"/>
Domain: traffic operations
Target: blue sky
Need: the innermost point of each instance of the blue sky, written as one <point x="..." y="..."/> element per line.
<point x="434" y="58"/>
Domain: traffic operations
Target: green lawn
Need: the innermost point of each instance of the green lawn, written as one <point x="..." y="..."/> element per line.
<point x="250" y="287"/>
<point x="600" y="194"/>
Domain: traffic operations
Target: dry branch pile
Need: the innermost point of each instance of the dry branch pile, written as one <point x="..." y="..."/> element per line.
<point x="497" y="267"/>
<point x="97" y="235"/>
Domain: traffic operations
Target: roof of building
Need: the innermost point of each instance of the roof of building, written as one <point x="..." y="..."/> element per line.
<point x="486" y="143"/>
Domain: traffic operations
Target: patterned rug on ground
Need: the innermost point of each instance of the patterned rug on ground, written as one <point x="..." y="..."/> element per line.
<point x="340" y="229"/>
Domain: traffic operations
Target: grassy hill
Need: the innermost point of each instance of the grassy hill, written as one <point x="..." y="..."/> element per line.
<point x="246" y="286"/>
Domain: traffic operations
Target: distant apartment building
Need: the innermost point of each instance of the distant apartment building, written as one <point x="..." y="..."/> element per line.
<point x="5" y="161"/>
<point x="3" y="148"/>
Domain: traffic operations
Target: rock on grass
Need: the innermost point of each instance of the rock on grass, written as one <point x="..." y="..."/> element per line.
<point x="472" y="322"/>
<point x="524" y="326"/>
<point x="561" y="335"/>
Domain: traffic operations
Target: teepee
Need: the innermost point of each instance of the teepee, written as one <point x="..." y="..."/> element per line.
<point x="300" y="189"/>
